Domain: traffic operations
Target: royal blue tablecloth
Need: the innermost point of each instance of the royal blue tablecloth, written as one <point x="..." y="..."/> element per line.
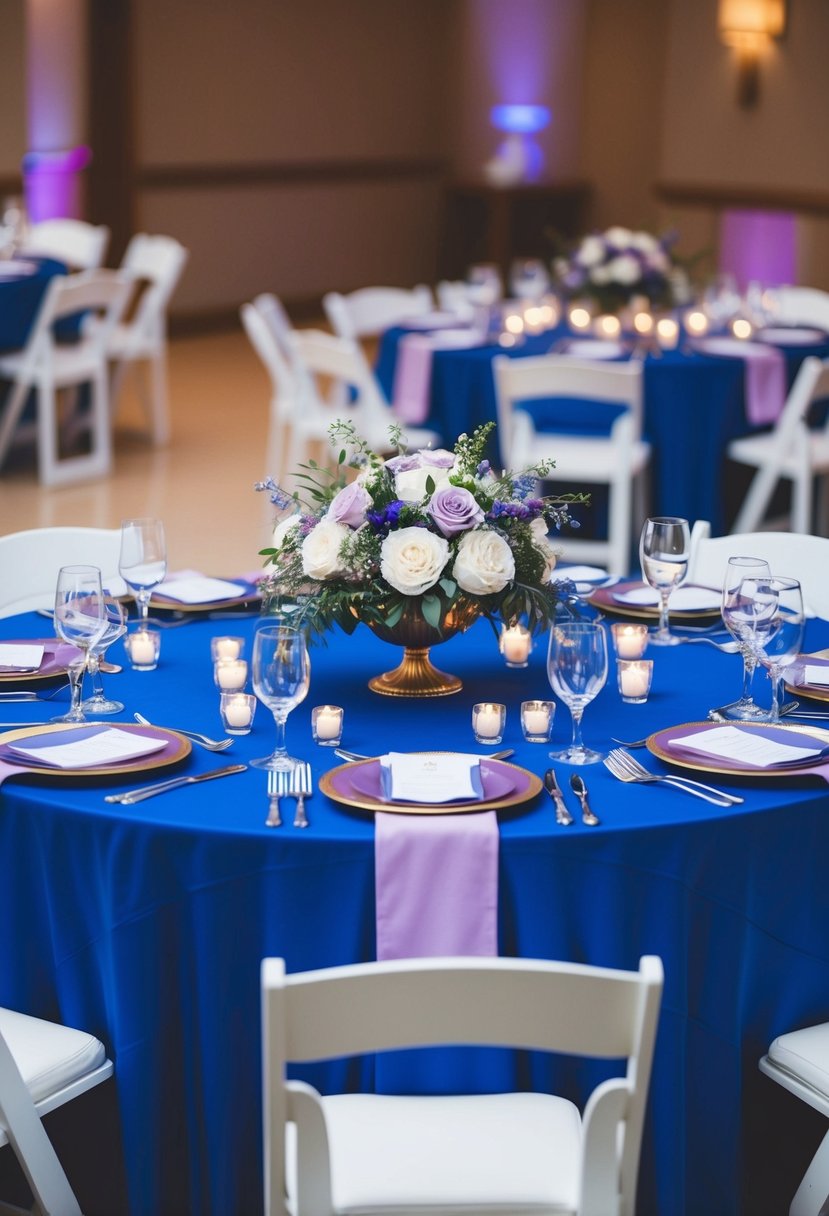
<point x="146" y="924"/>
<point x="694" y="405"/>
<point x="20" y="300"/>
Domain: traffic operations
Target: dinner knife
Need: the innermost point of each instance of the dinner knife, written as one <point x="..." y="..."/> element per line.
<point x="174" y="783"/>
<point x="552" y="787"/>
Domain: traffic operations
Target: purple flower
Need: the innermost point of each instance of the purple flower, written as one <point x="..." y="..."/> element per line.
<point x="483" y="469"/>
<point x="400" y="464"/>
<point x="454" y="510"/>
<point x="440" y="458"/>
<point x="383" y="521"/>
<point x="349" y="505"/>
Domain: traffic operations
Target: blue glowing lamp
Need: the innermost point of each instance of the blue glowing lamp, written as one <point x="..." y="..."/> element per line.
<point x="519" y="158"/>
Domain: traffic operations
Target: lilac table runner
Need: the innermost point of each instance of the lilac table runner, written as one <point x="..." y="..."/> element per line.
<point x="413" y="370"/>
<point x="765" y="375"/>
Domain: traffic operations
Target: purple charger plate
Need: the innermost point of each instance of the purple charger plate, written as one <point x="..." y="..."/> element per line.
<point x="662" y="740"/>
<point x="176" y="748"/>
<point x="794" y="676"/>
<point x="56" y="658"/>
<point x="364" y="780"/>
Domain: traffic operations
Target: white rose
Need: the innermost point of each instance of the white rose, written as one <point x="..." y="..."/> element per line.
<point x="644" y="242"/>
<point x="538" y="528"/>
<point x="281" y="530"/>
<point x="410" y="484"/>
<point x="600" y="274"/>
<point x="412" y="560"/>
<point x="591" y="251"/>
<point x="625" y="269"/>
<point x="484" y="564"/>
<point x="620" y="238"/>
<point x="321" y="550"/>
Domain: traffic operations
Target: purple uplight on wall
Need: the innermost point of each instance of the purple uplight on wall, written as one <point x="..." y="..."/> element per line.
<point x="519" y="158"/>
<point x="523" y="119"/>
<point x="53" y="183"/>
<point x="759" y="245"/>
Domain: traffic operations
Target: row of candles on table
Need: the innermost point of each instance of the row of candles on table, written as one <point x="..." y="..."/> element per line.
<point x="634" y="673"/>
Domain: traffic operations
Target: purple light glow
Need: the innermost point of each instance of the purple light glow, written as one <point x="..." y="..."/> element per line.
<point x="758" y="245"/>
<point x="521" y="119"/>
<point x="53" y="183"/>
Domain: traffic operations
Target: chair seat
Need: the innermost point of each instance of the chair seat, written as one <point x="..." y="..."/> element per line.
<point x="71" y="364"/>
<point x="49" y="1056"/>
<point x="494" y="1153"/>
<point x="580" y="458"/>
<point x="763" y="449"/>
<point x="804" y="1054"/>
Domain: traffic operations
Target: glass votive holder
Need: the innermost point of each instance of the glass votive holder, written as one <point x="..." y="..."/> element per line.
<point x="537" y="720"/>
<point x="230" y="675"/>
<point x="515" y="645"/>
<point x="488" y="721"/>
<point x="327" y="725"/>
<point x="629" y="641"/>
<point x="237" y="710"/>
<point x="226" y="648"/>
<point x="667" y="333"/>
<point x="143" y="648"/>
<point x="634" y="676"/>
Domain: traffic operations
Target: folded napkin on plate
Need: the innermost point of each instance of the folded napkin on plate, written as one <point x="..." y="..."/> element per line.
<point x="413" y="369"/>
<point x="431" y="777"/>
<point x="579" y="574"/>
<point x="85" y="747"/>
<point x="683" y="599"/>
<point x="193" y="588"/>
<point x="809" y="672"/>
<point x="765" y="375"/>
<point x="21" y="656"/>
<point x="773" y="748"/>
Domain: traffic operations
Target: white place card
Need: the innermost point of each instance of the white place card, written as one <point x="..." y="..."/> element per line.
<point x="813" y="674"/>
<point x="20" y="656"/>
<point x="199" y="589"/>
<point x="746" y="746"/>
<point x="432" y="777"/>
<point x="108" y="746"/>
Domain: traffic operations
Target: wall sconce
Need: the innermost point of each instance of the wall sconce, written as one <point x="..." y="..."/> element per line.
<point x="749" y="26"/>
<point x="519" y="158"/>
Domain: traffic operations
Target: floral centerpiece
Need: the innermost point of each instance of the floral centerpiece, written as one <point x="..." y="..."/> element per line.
<point x="615" y="266"/>
<point x="417" y="546"/>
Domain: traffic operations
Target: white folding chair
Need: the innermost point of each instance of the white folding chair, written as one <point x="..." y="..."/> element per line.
<point x="494" y="1153"/>
<point x="30" y="560"/>
<point x="45" y="366"/>
<point x="270" y="332"/>
<point x="795" y="555"/>
<point x="799" y="1061"/>
<point x="332" y="370"/>
<point x="80" y="245"/>
<point x="617" y="460"/>
<point x="453" y="296"/>
<point x="155" y="264"/>
<point x="793" y="451"/>
<point x="368" y="311"/>
<point x="42" y="1066"/>
<point x="803" y="306"/>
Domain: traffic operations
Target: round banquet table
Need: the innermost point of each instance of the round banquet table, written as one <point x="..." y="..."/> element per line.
<point x="694" y="405"/>
<point x="20" y="298"/>
<point x="146" y="924"/>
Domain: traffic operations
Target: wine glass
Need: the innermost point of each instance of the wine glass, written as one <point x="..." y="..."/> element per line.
<point x="115" y="627"/>
<point x="80" y="621"/>
<point x="529" y="278"/>
<point x="664" y="549"/>
<point x="577" y="671"/>
<point x="281" y="675"/>
<point x="774" y="607"/>
<point x="734" y="615"/>
<point x="142" y="563"/>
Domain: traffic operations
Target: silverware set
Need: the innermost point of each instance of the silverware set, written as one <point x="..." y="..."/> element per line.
<point x="162" y="787"/>
<point x="212" y="745"/>
<point x="18" y="697"/>
<point x="296" y="783"/>
<point x="626" y="768"/>
<point x="577" y="785"/>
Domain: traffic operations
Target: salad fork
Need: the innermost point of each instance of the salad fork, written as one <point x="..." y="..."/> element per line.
<point x="626" y="768"/>
<point x="300" y="788"/>
<point x="212" y="745"/>
<point x="276" y="788"/>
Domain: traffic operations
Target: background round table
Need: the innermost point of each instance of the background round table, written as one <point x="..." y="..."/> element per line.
<point x="20" y="299"/>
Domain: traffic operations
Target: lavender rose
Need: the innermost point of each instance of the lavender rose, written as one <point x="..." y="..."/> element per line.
<point x="454" y="510"/>
<point x="349" y="506"/>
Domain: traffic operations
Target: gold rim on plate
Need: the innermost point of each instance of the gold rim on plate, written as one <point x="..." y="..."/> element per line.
<point x="35" y="677"/>
<point x="655" y="748"/>
<point x="809" y="690"/>
<point x="419" y="808"/>
<point x="142" y="764"/>
<point x="602" y="598"/>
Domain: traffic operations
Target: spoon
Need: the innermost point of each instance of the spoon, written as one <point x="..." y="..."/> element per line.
<point x="580" y="790"/>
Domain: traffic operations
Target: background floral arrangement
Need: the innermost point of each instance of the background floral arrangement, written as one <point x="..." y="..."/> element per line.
<point x="613" y="267"/>
<point x="437" y="528"/>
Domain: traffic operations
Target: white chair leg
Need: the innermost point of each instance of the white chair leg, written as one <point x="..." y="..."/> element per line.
<point x="618" y="527"/>
<point x="11" y="416"/>
<point x="813" y="1192"/>
<point x="117" y="376"/>
<point x="801" y="520"/>
<point x="159" y="414"/>
<point x="751" y="513"/>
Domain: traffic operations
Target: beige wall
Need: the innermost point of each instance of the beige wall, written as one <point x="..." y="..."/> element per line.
<point x="12" y="88"/>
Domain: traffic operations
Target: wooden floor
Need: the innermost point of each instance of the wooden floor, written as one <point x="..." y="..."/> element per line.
<point x="201" y="485"/>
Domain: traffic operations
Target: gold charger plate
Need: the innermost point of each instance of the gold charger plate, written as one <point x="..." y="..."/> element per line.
<point x="251" y="597"/>
<point x="177" y="750"/>
<point x="602" y="598"/>
<point x="365" y="803"/>
<point x="713" y="766"/>
<point x="35" y="677"/>
<point x="809" y="690"/>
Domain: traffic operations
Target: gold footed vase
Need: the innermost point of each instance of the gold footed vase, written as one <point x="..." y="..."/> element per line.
<point x="416" y="676"/>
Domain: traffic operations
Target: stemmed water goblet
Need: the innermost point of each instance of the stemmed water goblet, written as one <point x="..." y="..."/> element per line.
<point x="774" y="609"/>
<point x="736" y="617"/>
<point x="142" y="563"/>
<point x="115" y="627"/>
<point x="281" y="675"/>
<point x="664" y="549"/>
<point x="577" y="671"/>
<point x="79" y="620"/>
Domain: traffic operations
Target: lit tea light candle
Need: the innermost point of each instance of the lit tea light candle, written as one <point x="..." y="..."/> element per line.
<point x="488" y="721"/>
<point x="630" y="641"/>
<point x="327" y="723"/>
<point x="634" y="678"/>
<point x="533" y="319"/>
<point x="741" y="328"/>
<point x="231" y="674"/>
<point x="696" y="322"/>
<point x="549" y="315"/>
<point x="514" y="324"/>
<point x="643" y="323"/>
<point x="579" y="318"/>
<point x="608" y="326"/>
<point x="237" y="710"/>
<point x="667" y="332"/>
<point x="226" y="648"/>
<point x="516" y="644"/>
<point x="536" y="720"/>
<point x="142" y="649"/>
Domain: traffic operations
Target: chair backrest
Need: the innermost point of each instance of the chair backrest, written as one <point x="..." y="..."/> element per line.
<point x="270" y="351"/>
<point x="82" y="246"/>
<point x="453" y="296"/>
<point x="811" y="384"/>
<point x="156" y="263"/>
<point x="369" y="310"/>
<point x="102" y="294"/>
<point x="803" y="306"/>
<point x="793" y="554"/>
<point x="331" y="366"/>
<point x="535" y="377"/>
<point x="519" y="1003"/>
<point x="29" y="563"/>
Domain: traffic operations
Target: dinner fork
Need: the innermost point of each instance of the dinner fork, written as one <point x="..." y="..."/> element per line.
<point x="10" y="697"/>
<point x="301" y="786"/>
<point x="624" y="767"/>
<point x="276" y="788"/>
<point x="212" y="745"/>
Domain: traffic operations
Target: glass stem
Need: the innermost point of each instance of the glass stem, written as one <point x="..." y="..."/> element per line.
<point x="749" y="668"/>
<point x="577" y="743"/>
<point x="776" y="676"/>
<point x="76" y="671"/>
<point x="280" y="720"/>
<point x="143" y="598"/>
<point x="664" y="620"/>
<point x="93" y="666"/>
